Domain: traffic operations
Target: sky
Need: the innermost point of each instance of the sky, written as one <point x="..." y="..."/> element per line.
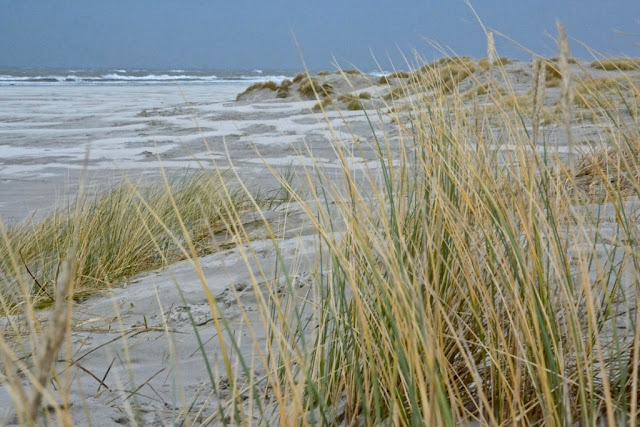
<point x="249" y="34"/>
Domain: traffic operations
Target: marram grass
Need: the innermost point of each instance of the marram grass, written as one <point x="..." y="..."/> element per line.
<point x="118" y="233"/>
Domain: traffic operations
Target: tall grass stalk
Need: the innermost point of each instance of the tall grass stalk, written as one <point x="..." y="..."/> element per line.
<point x="566" y="95"/>
<point x="478" y="286"/>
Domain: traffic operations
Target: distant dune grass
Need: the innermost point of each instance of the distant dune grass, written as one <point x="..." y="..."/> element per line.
<point x="271" y="85"/>
<point x="324" y="102"/>
<point x="118" y="233"/>
<point x="353" y="101"/>
<point x="394" y="75"/>
<point x="444" y="74"/>
<point x="619" y="64"/>
<point x="310" y="87"/>
<point x="479" y="281"/>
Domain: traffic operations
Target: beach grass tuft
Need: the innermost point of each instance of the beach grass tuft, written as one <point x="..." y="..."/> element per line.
<point x="444" y="74"/>
<point x="117" y="233"/>
<point x="502" y="61"/>
<point x="477" y="291"/>
<point x="323" y="103"/>
<point x="270" y="85"/>
<point x="552" y="74"/>
<point x="354" y="100"/>
<point x="617" y="64"/>
<point x="310" y="87"/>
<point x="394" y="75"/>
<point x="298" y="77"/>
<point x="283" y="90"/>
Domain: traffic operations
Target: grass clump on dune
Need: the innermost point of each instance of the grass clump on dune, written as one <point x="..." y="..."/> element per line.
<point x="447" y="60"/>
<point x="485" y="89"/>
<point x="399" y="75"/>
<point x="599" y="180"/>
<point x="394" y="75"/>
<point x="570" y="60"/>
<point x="354" y="100"/>
<point x="352" y="96"/>
<point x="553" y="76"/>
<point x="502" y="61"/>
<point x="310" y="88"/>
<point x="521" y="103"/>
<point x="270" y="85"/>
<point x="298" y="77"/>
<point x="286" y="83"/>
<point x="355" y="105"/>
<point x="320" y="105"/>
<point x="323" y="73"/>
<point x="444" y="74"/>
<point x="283" y="89"/>
<point x="617" y="64"/>
<point x="589" y="91"/>
<point x="397" y="93"/>
<point x="483" y="64"/>
<point x="118" y="232"/>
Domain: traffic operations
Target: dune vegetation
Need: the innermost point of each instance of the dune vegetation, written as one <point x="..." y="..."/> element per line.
<point x="485" y="277"/>
<point x="270" y="85"/>
<point x="617" y="64"/>
<point x="354" y="100"/>
<point x="324" y="102"/>
<point x="394" y="75"/>
<point x="310" y="87"/>
<point x="128" y="229"/>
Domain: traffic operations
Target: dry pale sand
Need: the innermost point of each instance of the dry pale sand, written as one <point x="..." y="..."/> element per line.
<point x="44" y="133"/>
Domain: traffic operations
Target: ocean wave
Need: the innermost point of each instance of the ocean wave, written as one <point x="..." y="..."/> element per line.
<point x="105" y="78"/>
<point x="117" y="77"/>
<point x="260" y="78"/>
<point x="378" y="73"/>
<point x="157" y="77"/>
<point x="39" y="78"/>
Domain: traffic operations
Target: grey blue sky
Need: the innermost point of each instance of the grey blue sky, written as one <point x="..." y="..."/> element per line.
<point x="244" y="34"/>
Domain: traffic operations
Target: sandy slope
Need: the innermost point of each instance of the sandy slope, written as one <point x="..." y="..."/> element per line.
<point x="144" y="334"/>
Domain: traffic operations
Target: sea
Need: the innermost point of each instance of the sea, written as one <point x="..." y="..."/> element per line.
<point x="119" y="76"/>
